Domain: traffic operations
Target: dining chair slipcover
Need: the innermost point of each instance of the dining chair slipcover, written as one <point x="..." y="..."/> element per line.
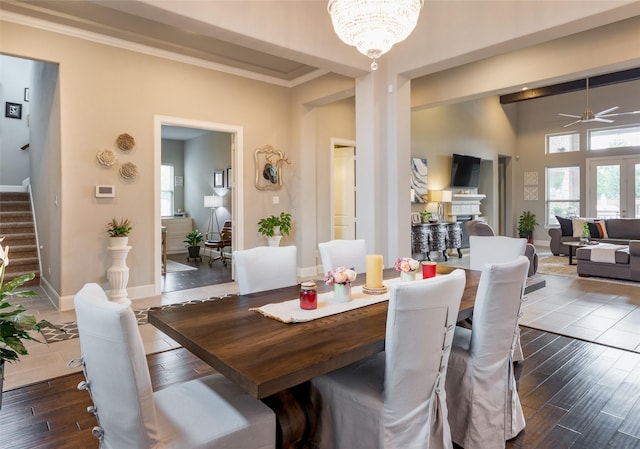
<point x="477" y="227"/>
<point x="481" y="389"/>
<point x="396" y="398"/>
<point x="343" y="253"/>
<point x="210" y="412"/>
<point x="497" y="249"/>
<point x="265" y="268"/>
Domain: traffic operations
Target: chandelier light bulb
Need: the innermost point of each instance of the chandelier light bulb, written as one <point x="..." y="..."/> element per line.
<point x="374" y="26"/>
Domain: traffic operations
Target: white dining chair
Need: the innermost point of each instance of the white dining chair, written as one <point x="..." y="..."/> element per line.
<point x="265" y="268"/>
<point x="481" y="228"/>
<point x="206" y="413"/>
<point x="343" y="253"/>
<point x="494" y="249"/>
<point x="481" y="388"/>
<point x="396" y="398"/>
<point x="497" y="249"/>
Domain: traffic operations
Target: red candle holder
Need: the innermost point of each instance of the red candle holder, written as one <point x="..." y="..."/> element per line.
<point x="308" y="296"/>
<point x="428" y="270"/>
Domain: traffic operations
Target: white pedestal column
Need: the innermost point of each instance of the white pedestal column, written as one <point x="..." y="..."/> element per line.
<point x="118" y="274"/>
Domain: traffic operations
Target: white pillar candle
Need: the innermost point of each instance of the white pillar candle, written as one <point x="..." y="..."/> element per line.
<point x="374" y="271"/>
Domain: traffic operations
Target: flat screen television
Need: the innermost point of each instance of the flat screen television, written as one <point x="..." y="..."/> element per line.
<point x="465" y="171"/>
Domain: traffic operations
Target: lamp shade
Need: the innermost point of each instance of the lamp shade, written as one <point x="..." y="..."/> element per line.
<point x="447" y="196"/>
<point x="435" y="195"/>
<point x="212" y="201"/>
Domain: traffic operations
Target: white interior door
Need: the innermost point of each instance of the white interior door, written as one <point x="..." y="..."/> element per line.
<point x="344" y="192"/>
<point x="613" y="187"/>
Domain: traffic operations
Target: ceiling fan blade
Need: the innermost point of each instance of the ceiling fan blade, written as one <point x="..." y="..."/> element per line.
<point x="600" y="119"/>
<point x="621" y="113"/>
<point x="606" y="111"/>
<point x="572" y="123"/>
<point x="569" y="115"/>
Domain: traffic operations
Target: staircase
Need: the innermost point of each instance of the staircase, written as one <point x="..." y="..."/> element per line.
<point x="17" y="228"/>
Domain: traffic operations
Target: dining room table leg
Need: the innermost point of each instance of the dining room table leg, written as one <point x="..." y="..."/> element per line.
<point x="295" y="416"/>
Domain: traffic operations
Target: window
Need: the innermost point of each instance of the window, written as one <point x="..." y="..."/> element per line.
<point x="562" y="143"/>
<point x="563" y="192"/>
<point x="618" y="137"/>
<point x="166" y="190"/>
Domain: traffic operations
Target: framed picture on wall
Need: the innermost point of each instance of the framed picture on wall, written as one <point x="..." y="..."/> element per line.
<point x="13" y="110"/>
<point x="415" y="217"/>
<point x="218" y="178"/>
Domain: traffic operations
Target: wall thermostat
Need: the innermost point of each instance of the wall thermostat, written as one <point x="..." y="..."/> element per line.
<point x="105" y="191"/>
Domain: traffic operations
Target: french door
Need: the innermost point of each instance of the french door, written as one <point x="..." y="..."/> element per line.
<point x="613" y="187"/>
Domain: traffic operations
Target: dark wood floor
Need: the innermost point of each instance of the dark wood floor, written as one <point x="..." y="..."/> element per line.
<point x="575" y="394"/>
<point x="217" y="273"/>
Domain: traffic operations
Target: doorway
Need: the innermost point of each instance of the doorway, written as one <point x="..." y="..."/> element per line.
<point x="343" y="190"/>
<point x="613" y="187"/>
<point x="194" y="195"/>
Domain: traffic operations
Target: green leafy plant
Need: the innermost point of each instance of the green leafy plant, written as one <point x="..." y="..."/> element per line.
<point x="267" y="225"/>
<point x="194" y="238"/>
<point x="425" y="216"/>
<point x="119" y="228"/>
<point x="15" y="323"/>
<point x="526" y="224"/>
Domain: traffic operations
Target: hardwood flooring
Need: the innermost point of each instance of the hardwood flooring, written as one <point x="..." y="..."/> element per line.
<point x="575" y="394"/>
<point x="217" y="273"/>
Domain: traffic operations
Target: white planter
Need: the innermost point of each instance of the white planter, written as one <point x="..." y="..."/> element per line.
<point x="407" y="276"/>
<point x="274" y="241"/>
<point x="341" y="292"/>
<point x="118" y="242"/>
<point x="118" y="272"/>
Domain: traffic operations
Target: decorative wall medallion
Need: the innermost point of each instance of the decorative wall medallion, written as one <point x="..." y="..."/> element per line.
<point x="106" y="157"/>
<point x="128" y="170"/>
<point x="125" y="142"/>
<point x="531" y="178"/>
<point x="531" y="194"/>
<point x="268" y="162"/>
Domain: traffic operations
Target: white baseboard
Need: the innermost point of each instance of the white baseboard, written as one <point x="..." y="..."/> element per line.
<point x="308" y="272"/>
<point x="139" y="292"/>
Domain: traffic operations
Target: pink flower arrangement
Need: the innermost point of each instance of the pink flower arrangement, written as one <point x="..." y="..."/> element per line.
<point x="406" y="264"/>
<point x="340" y="275"/>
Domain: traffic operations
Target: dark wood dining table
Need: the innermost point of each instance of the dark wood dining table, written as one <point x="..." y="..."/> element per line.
<point x="268" y="358"/>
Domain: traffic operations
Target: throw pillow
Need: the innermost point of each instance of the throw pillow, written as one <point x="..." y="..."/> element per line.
<point x="578" y="225"/>
<point x="602" y="228"/>
<point x="565" y="225"/>
<point x="594" y="230"/>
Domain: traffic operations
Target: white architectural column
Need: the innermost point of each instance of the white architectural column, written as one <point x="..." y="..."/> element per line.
<point x="383" y="141"/>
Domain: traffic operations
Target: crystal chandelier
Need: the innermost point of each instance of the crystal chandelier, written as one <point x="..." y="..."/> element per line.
<point x="374" y="26"/>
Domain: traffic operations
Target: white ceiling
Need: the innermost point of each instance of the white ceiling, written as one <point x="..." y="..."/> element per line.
<point x="287" y="42"/>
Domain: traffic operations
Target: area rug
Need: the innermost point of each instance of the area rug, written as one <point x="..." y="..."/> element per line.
<point x="556" y="265"/>
<point x="174" y="267"/>
<point x="69" y="330"/>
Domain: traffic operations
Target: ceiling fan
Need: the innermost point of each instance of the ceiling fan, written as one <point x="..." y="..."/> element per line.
<point x="589" y="116"/>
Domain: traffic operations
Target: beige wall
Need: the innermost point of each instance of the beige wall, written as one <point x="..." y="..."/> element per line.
<point x="479" y="128"/>
<point x="539" y="117"/>
<point x="105" y="91"/>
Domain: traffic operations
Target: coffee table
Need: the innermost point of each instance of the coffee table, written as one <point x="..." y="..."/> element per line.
<point x="573" y="246"/>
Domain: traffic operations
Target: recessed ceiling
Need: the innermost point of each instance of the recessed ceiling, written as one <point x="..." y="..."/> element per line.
<point x="98" y="18"/>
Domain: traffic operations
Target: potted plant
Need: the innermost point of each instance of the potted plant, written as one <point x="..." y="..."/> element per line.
<point x="15" y="324"/>
<point x="193" y="240"/>
<point x="526" y="225"/>
<point x="119" y="231"/>
<point x="274" y="227"/>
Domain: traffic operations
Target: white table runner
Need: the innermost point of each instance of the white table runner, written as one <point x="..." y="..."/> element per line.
<point x="290" y="311"/>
